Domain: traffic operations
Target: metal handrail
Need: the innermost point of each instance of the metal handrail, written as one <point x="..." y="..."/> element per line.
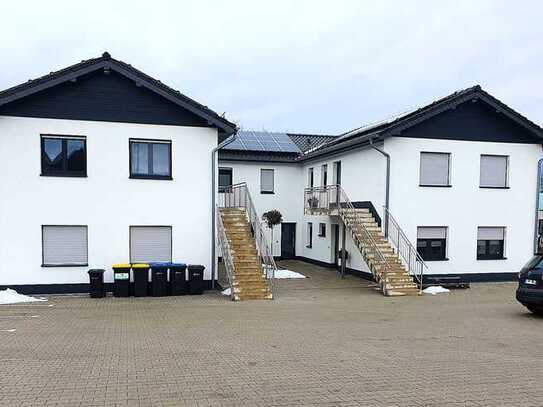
<point x="403" y="246"/>
<point x="332" y="197"/>
<point x="226" y="253"/>
<point x="238" y="196"/>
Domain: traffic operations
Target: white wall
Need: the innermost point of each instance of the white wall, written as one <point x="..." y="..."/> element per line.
<point x="107" y="200"/>
<point x="465" y="206"/>
<point x="287" y="196"/>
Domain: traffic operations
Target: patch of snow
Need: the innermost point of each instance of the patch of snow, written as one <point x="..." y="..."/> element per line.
<point x="9" y="296"/>
<point x="8" y="330"/>
<point x="226" y="292"/>
<point x="284" y="274"/>
<point x="435" y="289"/>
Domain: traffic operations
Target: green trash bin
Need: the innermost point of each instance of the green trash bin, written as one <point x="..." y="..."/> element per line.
<point x="121" y="280"/>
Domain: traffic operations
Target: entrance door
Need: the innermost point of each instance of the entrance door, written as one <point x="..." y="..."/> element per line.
<point x="335" y="244"/>
<point x="288" y="240"/>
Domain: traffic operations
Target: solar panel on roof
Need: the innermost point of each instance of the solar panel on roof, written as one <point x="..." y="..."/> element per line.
<point x="263" y="141"/>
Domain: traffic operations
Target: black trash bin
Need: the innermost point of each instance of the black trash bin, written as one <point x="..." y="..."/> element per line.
<point x="96" y="283"/>
<point x="178" y="280"/>
<point x="141" y="279"/>
<point x="121" y="280"/>
<point x="159" y="279"/>
<point x="196" y="279"/>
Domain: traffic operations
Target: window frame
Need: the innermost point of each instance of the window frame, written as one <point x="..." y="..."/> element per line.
<point x="324" y="175"/>
<point x="64" y="172"/>
<point x="309" y="244"/>
<point x="149" y="142"/>
<point x="322" y="229"/>
<point x="49" y="265"/>
<point x="223" y="188"/>
<point x="506" y="171"/>
<point x="429" y="242"/>
<point x="311" y="177"/>
<point x="488" y="256"/>
<point x="449" y="167"/>
<point x="272" y="191"/>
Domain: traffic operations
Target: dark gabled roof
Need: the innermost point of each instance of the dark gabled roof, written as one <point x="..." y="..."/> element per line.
<point x="107" y="62"/>
<point x="395" y="125"/>
<point x="306" y="142"/>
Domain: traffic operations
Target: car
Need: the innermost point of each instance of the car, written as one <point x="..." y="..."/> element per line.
<point x="530" y="285"/>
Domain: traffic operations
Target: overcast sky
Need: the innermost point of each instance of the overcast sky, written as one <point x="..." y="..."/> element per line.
<point x="302" y="66"/>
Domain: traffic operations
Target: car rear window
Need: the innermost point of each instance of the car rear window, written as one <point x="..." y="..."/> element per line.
<point x="535" y="262"/>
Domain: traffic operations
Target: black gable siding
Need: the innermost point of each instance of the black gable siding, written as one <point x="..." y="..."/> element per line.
<point x="103" y="97"/>
<point x="472" y="121"/>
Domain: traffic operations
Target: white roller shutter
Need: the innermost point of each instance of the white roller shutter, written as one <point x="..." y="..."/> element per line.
<point x="150" y="244"/>
<point x="493" y="171"/>
<point x="434" y="169"/>
<point x="430" y="232"/>
<point x="266" y="180"/>
<point x="490" y="233"/>
<point x="64" y="245"/>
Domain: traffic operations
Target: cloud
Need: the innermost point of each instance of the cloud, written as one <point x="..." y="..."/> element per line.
<point x="315" y="66"/>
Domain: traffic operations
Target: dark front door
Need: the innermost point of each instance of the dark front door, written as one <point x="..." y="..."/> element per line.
<point x="335" y="231"/>
<point x="288" y="240"/>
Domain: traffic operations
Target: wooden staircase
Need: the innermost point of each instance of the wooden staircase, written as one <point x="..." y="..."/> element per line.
<point x="393" y="277"/>
<point x="249" y="278"/>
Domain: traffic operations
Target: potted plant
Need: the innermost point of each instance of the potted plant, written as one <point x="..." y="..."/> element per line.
<point x="272" y="218"/>
<point x="313" y="202"/>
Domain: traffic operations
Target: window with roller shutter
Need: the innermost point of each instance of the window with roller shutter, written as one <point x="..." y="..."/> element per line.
<point x="150" y="244"/>
<point x="64" y="245"/>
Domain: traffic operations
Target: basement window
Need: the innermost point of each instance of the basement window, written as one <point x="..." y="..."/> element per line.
<point x="64" y="246"/>
<point x="494" y="170"/>
<point x="63" y="156"/>
<point x="151" y="159"/>
<point x="490" y="243"/>
<point x="432" y="243"/>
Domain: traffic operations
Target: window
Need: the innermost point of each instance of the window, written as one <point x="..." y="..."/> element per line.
<point x="150" y="159"/>
<point x="494" y="171"/>
<point x="490" y="243"/>
<point x="150" y="244"/>
<point x="311" y="179"/>
<point x="322" y="229"/>
<point x="434" y="169"/>
<point x="324" y="175"/>
<point x="266" y="181"/>
<point x="225" y="178"/>
<point x="64" y="246"/>
<point x="309" y="235"/>
<point x="432" y="242"/>
<point x="63" y="156"/>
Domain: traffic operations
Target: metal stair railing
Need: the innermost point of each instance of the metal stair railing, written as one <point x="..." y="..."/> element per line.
<point x="226" y="253"/>
<point x="238" y="196"/>
<point x="404" y="248"/>
<point x="326" y="199"/>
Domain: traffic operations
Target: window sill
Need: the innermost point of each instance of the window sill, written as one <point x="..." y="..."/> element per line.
<point x="65" y="265"/>
<point x="481" y="187"/>
<point x="309" y="247"/>
<point x="495" y="258"/>
<point x="435" y="186"/>
<point x="446" y="259"/>
<point x="321" y="235"/>
<point x="64" y="175"/>
<point x="154" y="177"/>
<point x="267" y="192"/>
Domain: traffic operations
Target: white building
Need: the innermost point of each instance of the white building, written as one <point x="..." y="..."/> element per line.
<point x="102" y="164"/>
<point x="462" y="186"/>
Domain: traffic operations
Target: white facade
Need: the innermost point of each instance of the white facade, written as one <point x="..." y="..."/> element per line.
<point x="107" y="200"/>
<point x="462" y="207"/>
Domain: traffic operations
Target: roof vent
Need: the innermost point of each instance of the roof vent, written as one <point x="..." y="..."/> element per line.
<point x="106" y="55"/>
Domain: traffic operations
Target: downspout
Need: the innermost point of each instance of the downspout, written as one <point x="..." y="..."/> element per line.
<point x="214" y="203"/>
<point x="537" y="203"/>
<point x="387" y="188"/>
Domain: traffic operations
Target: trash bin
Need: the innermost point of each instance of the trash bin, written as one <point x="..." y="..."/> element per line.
<point x="96" y="283"/>
<point x="178" y="280"/>
<point x="159" y="279"/>
<point x="141" y="279"/>
<point x="196" y="279"/>
<point x="121" y="280"/>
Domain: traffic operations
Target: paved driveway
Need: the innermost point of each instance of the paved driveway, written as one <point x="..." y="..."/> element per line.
<point x="323" y="341"/>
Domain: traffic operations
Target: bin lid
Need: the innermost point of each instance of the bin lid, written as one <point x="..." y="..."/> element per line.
<point x="157" y="264"/>
<point x="122" y="266"/>
<point x="140" y="266"/>
<point x="196" y="266"/>
<point x="178" y="265"/>
<point x="96" y="271"/>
